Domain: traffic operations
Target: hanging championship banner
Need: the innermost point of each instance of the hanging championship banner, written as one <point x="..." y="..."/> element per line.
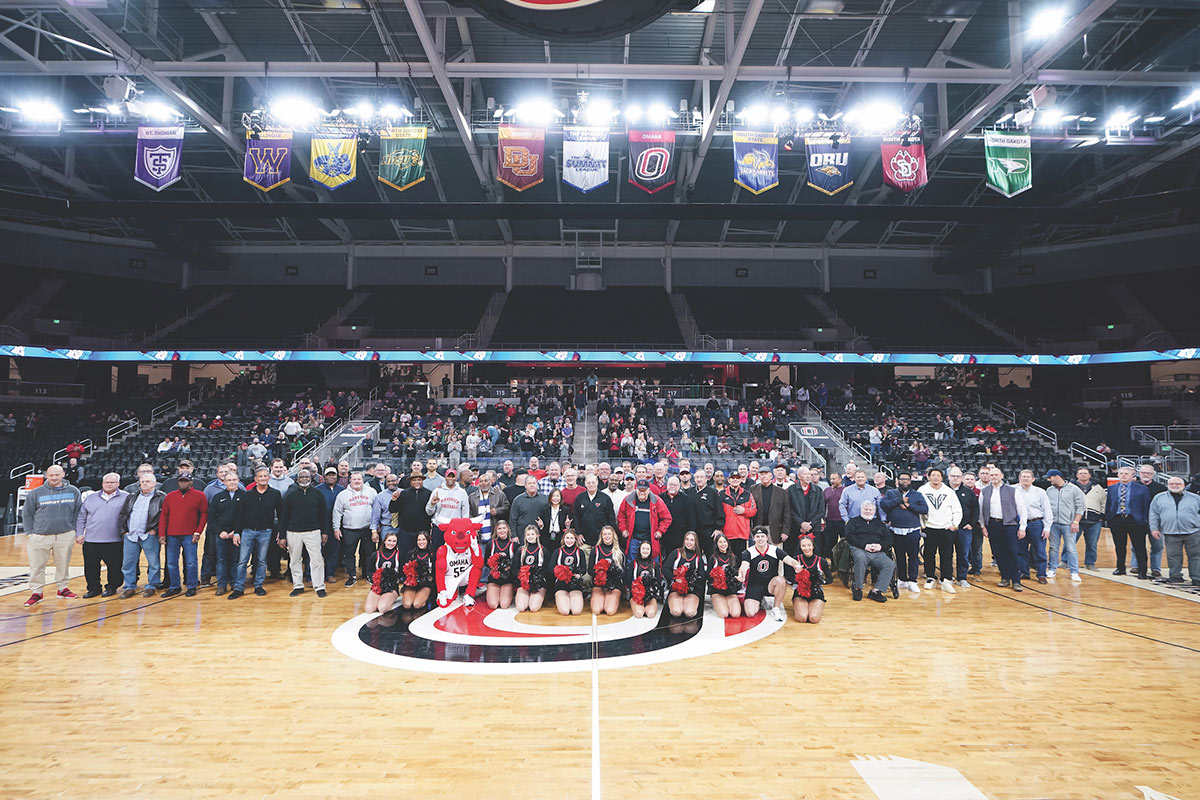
<point x="904" y="162"/>
<point x="755" y="160"/>
<point x="334" y="161"/>
<point x="268" y="159"/>
<point x="522" y="151"/>
<point x="1009" y="166"/>
<point x="402" y="156"/>
<point x="652" y="159"/>
<point x="585" y="157"/>
<point x="159" y="152"/>
<point x="828" y="162"/>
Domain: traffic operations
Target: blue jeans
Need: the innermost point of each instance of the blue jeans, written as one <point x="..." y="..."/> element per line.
<point x="1156" y="551"/>
<point x="227" y="559"/>
<point x="876" y="451"/>
<point x="962" y="553"/>
<point x="580" y="413"/>
<point x="174" y="545"/>
<point x="129" y="560"/>
<point x="1090" y="531"/>
<point x="1062" y="531"/>
<point x="1031" y="551"/>
<point x="907" y="547"/>
<point x="252" y="542"/>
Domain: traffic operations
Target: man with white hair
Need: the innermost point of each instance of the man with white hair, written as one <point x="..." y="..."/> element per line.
<point x="1128" y="515"/>
<point x="138" y="526"/>
<point x="553" y="479"/>
<point x="96" y="530"/>
<point x="48" y="519"/>
<point x="1148" y="477"/>
<point x="1175" y="517"/>
<point x="869" y="540"/>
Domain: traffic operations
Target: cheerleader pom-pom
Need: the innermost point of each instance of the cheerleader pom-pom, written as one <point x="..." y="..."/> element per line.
<point x="680" y="583"/>
<point x="600" y="574"/>
<point x="637" y="592"/>
<point x="494" y="562"/>
<point x="718" y="578"/>
<point x="562" y="573"/>
<point x="804" y="582"/>
<point x="376" y="580"/>
<point x="523" y="576"/>
<point x="410" y="573"/>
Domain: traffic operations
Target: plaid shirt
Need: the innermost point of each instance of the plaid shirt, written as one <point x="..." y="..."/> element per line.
<point x="547" y="485"/>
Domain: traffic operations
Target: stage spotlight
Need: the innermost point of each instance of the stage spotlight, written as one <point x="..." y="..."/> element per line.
<point x="295" y="112"/>
<point x="40" y="111"/>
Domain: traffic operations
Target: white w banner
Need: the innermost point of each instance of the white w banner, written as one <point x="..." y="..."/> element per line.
<point x="585" y="157"/>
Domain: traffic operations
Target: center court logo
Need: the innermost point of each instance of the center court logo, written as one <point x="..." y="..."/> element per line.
<point x="480" y="641"/>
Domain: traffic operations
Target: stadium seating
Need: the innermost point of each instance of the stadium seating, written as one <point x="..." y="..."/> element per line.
<point x="722" y="311"/>
<point x="426" y="311"/>
<point x="628" y="317"/>
<point x="260" y="318"/>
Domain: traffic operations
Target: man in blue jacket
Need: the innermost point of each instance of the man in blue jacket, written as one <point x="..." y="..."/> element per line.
<point x="1128" y="515"/>
<point x="904" y="507"/>
<point x="1175" y="517"/>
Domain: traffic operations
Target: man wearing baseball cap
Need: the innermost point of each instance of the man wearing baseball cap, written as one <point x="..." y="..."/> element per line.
<point x="739" y="508"/>
<point x="1067" y="506"/>
<point x="643" y="517"/>
<point x="332" y="551"/>
<point x="183" y="516"/>
<point x="446" y="503"/>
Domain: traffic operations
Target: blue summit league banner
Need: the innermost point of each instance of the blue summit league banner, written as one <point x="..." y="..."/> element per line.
<point x="159" y="153"/>
<point x="585" y="158"/>
<point x="268" y="159"/>
<point x="828" y="162"/>
<point x="755" y="160"/>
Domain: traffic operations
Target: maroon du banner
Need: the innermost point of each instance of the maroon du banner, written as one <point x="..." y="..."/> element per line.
<point x="904" y="162"/>
<point x="522" y="153"/>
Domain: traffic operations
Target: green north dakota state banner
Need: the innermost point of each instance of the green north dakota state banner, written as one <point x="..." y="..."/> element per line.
<point x="402" y="156"/>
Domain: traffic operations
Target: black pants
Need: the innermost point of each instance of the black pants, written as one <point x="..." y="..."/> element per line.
<point x="939" y="544"/>
<point x="208" y="560"/>
<point x="358" y="539"/>
<point x="111" y="553"/>
<point x="1123" y="528"/>
<point x="833" y="530"/>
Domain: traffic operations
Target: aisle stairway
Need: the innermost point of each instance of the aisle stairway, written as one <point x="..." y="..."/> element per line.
<point x="586" y="451"/>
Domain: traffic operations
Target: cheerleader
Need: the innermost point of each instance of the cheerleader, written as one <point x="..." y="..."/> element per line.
<point x="531" y="571"/>
<point x="502" y="580"/>
<point x="643" y="581"/>
<point x="723" y="584"/>
<point x="685" y="570"/>
<point x="808" y="601"/>
<point x="417" y="574"/>
<point x="570" y="562"/>
<point x="385" y="581"/>
<point x="606" y="585"/>
<point x="760" y="573"/>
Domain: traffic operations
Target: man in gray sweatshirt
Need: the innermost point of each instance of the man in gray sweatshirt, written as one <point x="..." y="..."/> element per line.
<point x="48" y="518"/>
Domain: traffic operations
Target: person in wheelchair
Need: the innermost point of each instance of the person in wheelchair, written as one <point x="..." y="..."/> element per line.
<point x="870" y="541"/>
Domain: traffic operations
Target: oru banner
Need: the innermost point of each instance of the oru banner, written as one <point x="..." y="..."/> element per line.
<point x="828" y="162"/>
<point x="159" y="152"/>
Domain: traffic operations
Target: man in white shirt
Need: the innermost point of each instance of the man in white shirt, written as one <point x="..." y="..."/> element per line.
<point x="447" y="502"/>
<point x="941" y="520"/>
<point x="1003" y="511"/>
<point x="1039" y="517"/>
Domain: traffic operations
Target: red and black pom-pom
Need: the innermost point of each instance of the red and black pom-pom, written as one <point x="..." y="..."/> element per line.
<point x="410" y="574"/>
<point x="680" y="583"/>
<point x="803" y="583"/>
<point x="376" y="579"/>
<point x="600" y="573"/>
<point x="562" y="573"/>
<point x="637" y="592"/>
<point x="718" y="577"/>
<point x="494" y="562"/>
<point x="523" y="577"/>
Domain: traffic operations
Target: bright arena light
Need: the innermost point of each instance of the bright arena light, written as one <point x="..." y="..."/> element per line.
<point x="804" y="114"/>
<point x="536" y="112"/>
<point x="295" y="112"/>
<point x="878" y="116"/>
<point x="598" y="112"/>
<point x="754" y="115"/>
<point x="1046" y="21"/>
<point x="159" y="112"/>
<point x="40" y="111"/>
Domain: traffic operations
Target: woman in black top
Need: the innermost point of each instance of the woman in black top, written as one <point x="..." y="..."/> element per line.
<point x="607" y="583"/>
<point x="643" y="581"/>
<point x="502" y="567"/>
<point x="686" y="571"/>
<point x="808" y="600"/>
<point x="723" y="583"/>
<point x="531" y="572"/>
<point x="416" y="577"/>
<point x="555" y="520"/>
<point x="570" y="574"/>
<point x="385" y="581"/>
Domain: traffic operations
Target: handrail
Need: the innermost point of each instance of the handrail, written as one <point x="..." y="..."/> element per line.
<point x="120" y="430"/>
<point x="162" y="410"/>
<point x="62" y="451"/>
<point x="811" y="454"/>
<point x="1003" y="411"/>
<point x="1183" y="434"/>
<point x="1044" y="432"/>
<point x="1085" y="453"/>
<point x="21" y="471"/>
<point x="1148" y="434"/>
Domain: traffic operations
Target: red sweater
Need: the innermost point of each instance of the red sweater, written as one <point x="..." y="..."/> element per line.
<point x="183" y="514"/>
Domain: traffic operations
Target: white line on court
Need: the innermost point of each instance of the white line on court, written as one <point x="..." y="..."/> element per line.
<point x="595" y="710"/>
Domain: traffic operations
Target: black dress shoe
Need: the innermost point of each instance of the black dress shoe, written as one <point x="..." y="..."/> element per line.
<point x="320" y="592"/>
<point x="857" y="594"/>
<point x="190" y="593"/>
<point x="351" y="581"/>
<point x="296" y="592"/>
<point x="1156" y="573"/>
<point x="235" y="594"/>
<point x="260" y="591"/>
<point x="1143" y="576"/>
<point x="877" y="596"/>
<point x="128" y="593"/>
<point x="90" y="593"/>
<point x="221" y="590"/>
<point x="207" y="581"/>
<point x="1004" y="584"/>
<point x="1119" y="571"/>
<point x="172" y="593"/>
<point x="109" y="592"/>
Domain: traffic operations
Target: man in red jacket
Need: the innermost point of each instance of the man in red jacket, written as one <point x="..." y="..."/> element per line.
<point x="739" y="509"/>
<point x="643" y="517"/>
<point x="184" y="514"/>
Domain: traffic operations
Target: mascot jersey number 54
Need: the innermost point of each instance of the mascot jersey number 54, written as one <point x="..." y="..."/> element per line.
<point x="459" y="562"/>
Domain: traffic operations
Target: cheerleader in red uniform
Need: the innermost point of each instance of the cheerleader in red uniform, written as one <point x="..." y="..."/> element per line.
<point x="385" y="581"/>
<point x="643" y="581"/>
<point x="570" y="574"/>
<point x="808" y="601"/>
<point x="685" y="570"/>
<point x="723" y="584"/>
<point x="417" y="574"/>
<point x="502" y="567"/>
<point x="531" y="572"/>
<point x="606" y="581"/>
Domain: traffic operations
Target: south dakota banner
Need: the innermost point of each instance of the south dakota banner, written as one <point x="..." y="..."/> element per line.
<point x="755" y="160"/>
<point x="402" y="156"/>
<point x="268" y="159"/>
<point x="828" y="162"/>
<point x="904" y="162"/>
<point x="585" y="157"/>
<point x="159" y="152"/>
<point x="522" y="151"/>
<point x="652" y="160"/>
<point x="1009" y="166"/>
<point x="334" y="161"/>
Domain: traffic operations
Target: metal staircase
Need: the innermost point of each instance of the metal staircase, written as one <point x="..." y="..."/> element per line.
<point x="982" y="320"/>
<point x="687" y="322"/>
<point x="190" y="314"/>
<point x="34" y="302"/>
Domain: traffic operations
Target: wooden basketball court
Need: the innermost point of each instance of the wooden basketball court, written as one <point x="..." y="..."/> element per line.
<point x="1065" y="691"/>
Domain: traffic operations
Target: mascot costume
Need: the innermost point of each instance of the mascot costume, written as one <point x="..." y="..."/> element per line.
<point x="459" y="562"/>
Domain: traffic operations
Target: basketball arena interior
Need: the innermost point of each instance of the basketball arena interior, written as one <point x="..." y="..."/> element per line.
<point x="600" y="399"/>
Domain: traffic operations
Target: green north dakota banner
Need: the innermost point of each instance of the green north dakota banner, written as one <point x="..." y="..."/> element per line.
<point x="1009" y="166"/>
<point x="402" y="156"/>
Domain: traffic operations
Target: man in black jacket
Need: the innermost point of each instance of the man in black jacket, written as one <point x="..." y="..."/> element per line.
<point x="683" y="515"/>
<point x="257" y="523"/>
<point x="306" y="521"/>
<point x="222" y="522"/>
<point x="808" y="513"/>
<point x="869" y="540"/>
<point x="710" y="514"/>
<point x="968" y="529"/>
<point x="593" y="510"/>
<point x="410" y="508"/>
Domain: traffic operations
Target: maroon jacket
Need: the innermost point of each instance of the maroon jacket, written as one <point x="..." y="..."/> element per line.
<point x="183" y="514"/>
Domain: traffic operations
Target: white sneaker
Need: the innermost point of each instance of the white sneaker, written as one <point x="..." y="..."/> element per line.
<point x="964" y="583"/>
<point x="1050" y="573"/>
<point x="929" y="582"/>
<point x="1075" y="578"/>
<point x="948" y="586"/>
<point x="777" y="612"/>
<point x="912" y="587"/>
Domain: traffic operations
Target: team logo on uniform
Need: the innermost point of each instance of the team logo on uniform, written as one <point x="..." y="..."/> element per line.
<point x="482" y="641"/>
<point x="764" y="565"/>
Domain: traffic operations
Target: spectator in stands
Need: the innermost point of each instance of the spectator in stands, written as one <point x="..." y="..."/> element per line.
<point x="1067" y="506"/>
<point x="181" y="424"/>
<point x="869" y="539"/>
<point x="96" y="530"/>
<point x="1004" y="511"/>
<point x="1175" y="518"/>
<point x="1128" y="515"/>
<point x="164" y="446"/>
<point x="183" y="517"/>
<point x="1148" y="476"/>
<point x="305" y="520"/>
